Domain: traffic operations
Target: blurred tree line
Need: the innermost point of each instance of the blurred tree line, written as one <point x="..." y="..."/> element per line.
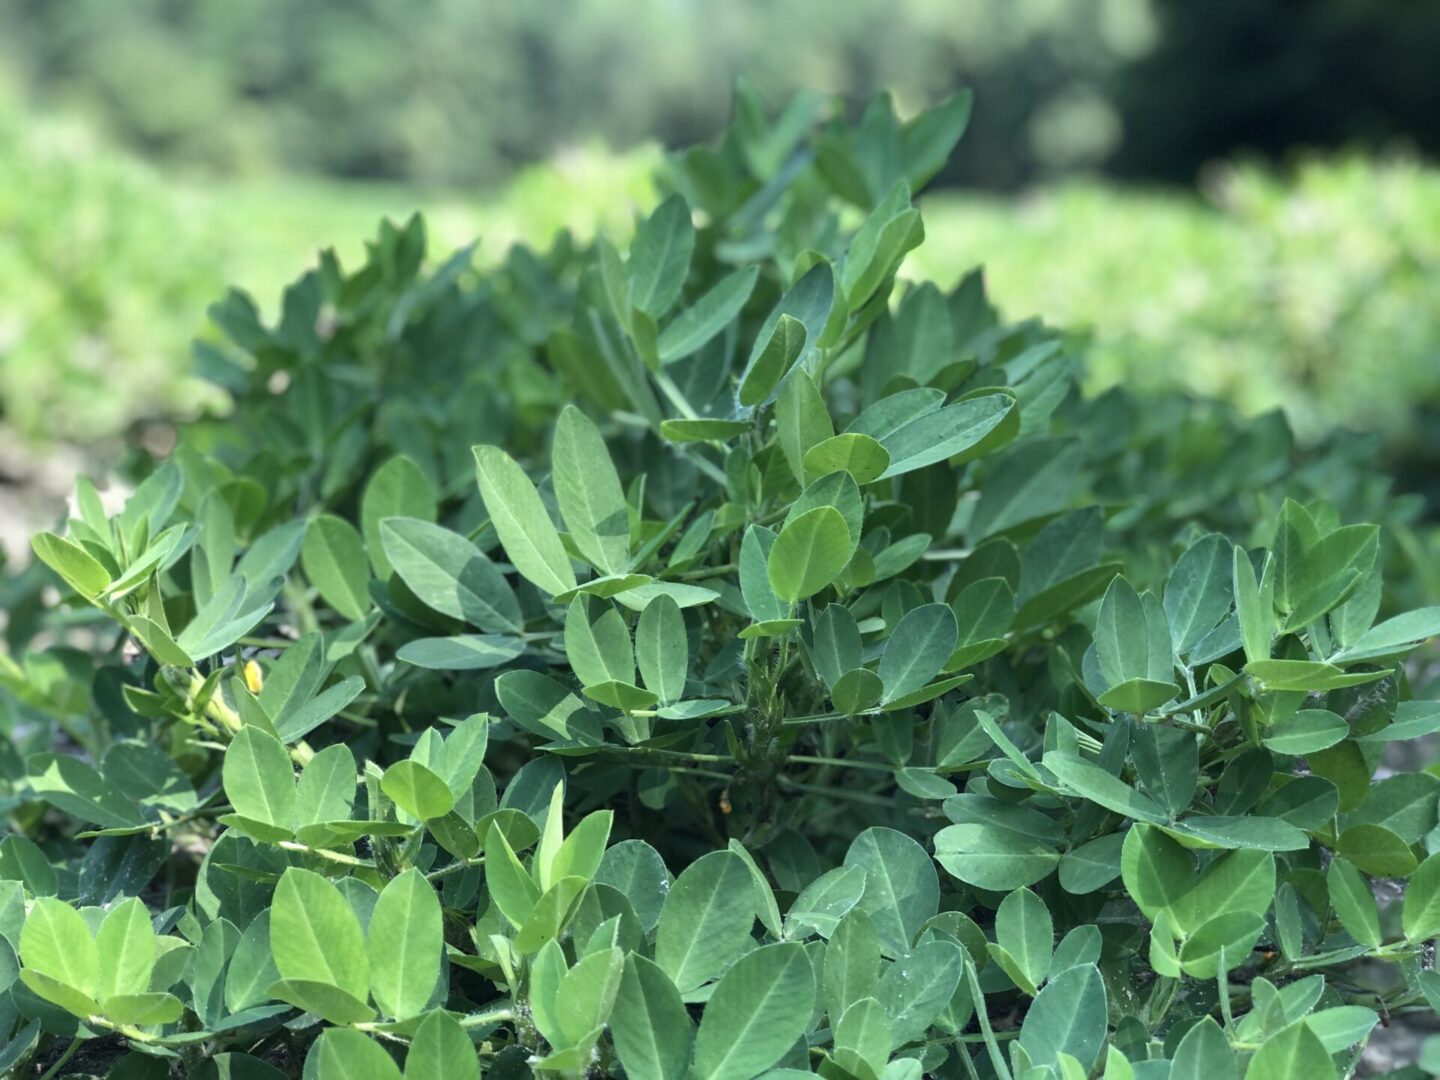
<point x="463" y="91"/>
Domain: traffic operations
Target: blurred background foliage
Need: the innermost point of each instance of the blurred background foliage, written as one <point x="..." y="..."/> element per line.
<point x="1233" y="197"/>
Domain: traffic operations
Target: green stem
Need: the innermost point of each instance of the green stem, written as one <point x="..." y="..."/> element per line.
<point x="455" y="868"/>
<point x="326" y="853"/>
<point x="59" y="1064"/>
<point x="845" y="763"/>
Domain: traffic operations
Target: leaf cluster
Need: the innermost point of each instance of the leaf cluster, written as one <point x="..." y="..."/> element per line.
<point x="718" y="659"/>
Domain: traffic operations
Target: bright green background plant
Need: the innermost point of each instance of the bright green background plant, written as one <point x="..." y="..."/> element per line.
<point x="716" y="658"/>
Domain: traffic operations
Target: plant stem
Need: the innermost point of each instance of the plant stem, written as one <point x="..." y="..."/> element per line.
<point x="325" y="853"/>
<point x="455" y="868"/>
<point x="59" y="1063"/>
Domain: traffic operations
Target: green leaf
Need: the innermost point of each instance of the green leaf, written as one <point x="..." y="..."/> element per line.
<point x="852" y="963"/>
<point x="398" y="489"/>
<point x="1024" y="929"/>
<point x="635" y="869"/>
<point x="334" y="561"/>
<point x="802" y="420"/>
<point x="660" y="257"/>
<point x="76" y="566"/>
<point x="589" y="494"/>
<point x="1354" y="902"/>
<point x="859" y="455"/>
<point x="703" y="430"/>
<point x="996" y="846"/>
<point x="464" y="652"/>
<point x="406" y="943"/>
<point x="1252" y="604"/>
<point x="259" y="779"/>
<point x="1132" y="642"/>
<point x="73" y="786"/>
<point x="56" y="942"/>
<point x="521" y="522"/>
<point x="449" y="574"/>
<point x="1230" y="936"/>
<point x="825" y="901"/>
<point x="1199" y="591"/>
<point x="315" y="936"/>
<point x="760" y="1007"/>
<point x="772" y="363"/>
<point x="1305" y="731"/>
<point x="1242" y="880"/>
<point x="59" y="993"/>
<point x="809" y="553"/>
<point x="662" y="649"/>
<point x="1204" y="1054"/>
<point x="143" y="1009"/>
<point x="1167" y="762"/>
<point x="586" y="994"/>
<point x="1421" y="915"/>
<point x="125" y="943"/>
<point x="810" y="301"/>
<point x="441" y="1050"/>
<point x="917" y="650"/>
<point x="950" y="432"/>
<point x="1392" y="637"/>
<point x="1094" y="783"/>
<point x="326" y="789"/>
<point x="902" y="889"/>
<point x="1294" y="1053"/>
<point x="690" y="330"/>
<point x="511" y="887"/>
<point x="342" y="1054"/>
<point x="1157" y="870"/>
<point x="417" y="790"/>
<point x="1067" y="1017"/>
<point x="706" y="919"/>
<point x="863" y="1039"/>
<point x="918" y="988"/>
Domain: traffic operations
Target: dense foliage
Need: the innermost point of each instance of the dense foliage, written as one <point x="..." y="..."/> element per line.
<point x="715" y="660"/>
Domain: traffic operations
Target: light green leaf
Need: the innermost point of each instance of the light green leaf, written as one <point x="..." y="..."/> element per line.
<point x="921" y="644"/>
<point x="56" y="942"/>
<point x="1067" y="1016"/>
<point x="449" y="574"/>
<point x="76" y="566"/>
<point x="772" y="363"/>
<point x="334" y="560"/>
<point x="259" y="779"/>
<point x="902" y="889"/>
<point x="662" y="649"/>
<point x="417" y="790"/>
<point x="1204" y="1054"/>
<point x="1024" y="929"/>
<point x="1295" y="1053"/>
<point x="125" y="943"/>
<point x="315" y="936"/>
<point x="440" y="1050"/>
<point x="342" y="1054"/>
<point x="398" y="489"/>
<point x="406" y="942"/>
<point x="521" y="521"/>
<point x="760" y="1007"/>
<point x="464" y="652"/>
<point x="809" y="553"/>
<point x="589" y="494"/>
<point x="660" y="257"/>
<point x="1421" y="915"/>
<point x="696" y="325"/>
<point x="706" y="919"/>
<point x="1354" y="902"/>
